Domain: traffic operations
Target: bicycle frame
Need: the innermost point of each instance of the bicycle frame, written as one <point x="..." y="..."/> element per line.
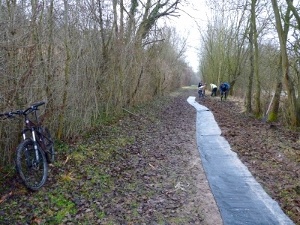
<point x="35" y="134"/>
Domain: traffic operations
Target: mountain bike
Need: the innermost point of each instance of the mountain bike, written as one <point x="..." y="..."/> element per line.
<point x="35" y="151"/>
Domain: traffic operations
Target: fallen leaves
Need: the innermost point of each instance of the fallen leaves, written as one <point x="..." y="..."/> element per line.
<point x="268" y="150"/>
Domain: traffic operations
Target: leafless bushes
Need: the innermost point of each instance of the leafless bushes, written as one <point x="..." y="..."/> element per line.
<point x="87" y="59"/>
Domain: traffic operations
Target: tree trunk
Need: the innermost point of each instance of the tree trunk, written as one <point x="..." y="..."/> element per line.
<point x="273" y="114"/>
<point x="255" y="59"/>
<point x="49" y="78"/>
<point x="297" y="17"/>
<point x="282" y="34"/>
<point x="66" y="71"/>
<point x="121" y="18"/>
<point x="251" y="74"/>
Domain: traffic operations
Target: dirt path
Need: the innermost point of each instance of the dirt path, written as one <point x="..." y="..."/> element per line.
<point x="171" y="165"/>
<point x="145" y="169"/>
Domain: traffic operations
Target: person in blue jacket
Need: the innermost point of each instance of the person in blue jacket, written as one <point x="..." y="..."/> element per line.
<point x="224" y="89"/>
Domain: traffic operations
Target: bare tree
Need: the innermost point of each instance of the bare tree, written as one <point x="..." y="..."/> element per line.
<point x="282" y="35"/>
<point x="67" y="61"/>
<point x="224" y="51"/>
<point x="258" y="110"/>
<point x="88" y="59"/>
<point x="251" y="59"/>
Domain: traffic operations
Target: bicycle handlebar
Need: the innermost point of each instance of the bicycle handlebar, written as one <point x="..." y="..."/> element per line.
<point x="37" y="104"/>
<point x="25" y="112"/>
<point x="33" y="107"/>
<point x="9" y="114"/>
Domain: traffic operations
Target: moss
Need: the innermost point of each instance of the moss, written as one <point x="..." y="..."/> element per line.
<point x="272" y="117"/>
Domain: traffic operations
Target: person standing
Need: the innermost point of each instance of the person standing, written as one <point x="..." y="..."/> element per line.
<point x="214" y="89"/>
<point x="200" y="84"/>
<point x="201" y="90"/>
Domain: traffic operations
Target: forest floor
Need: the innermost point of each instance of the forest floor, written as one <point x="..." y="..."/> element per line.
<point x="145" y="169"/>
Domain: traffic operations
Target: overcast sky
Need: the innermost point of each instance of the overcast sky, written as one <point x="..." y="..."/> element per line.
<point x="187" y="27"/>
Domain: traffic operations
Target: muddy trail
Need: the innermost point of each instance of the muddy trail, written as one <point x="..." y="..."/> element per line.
<point x="144" y="168"/>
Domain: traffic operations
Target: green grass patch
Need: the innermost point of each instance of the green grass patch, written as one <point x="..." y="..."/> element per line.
<point x="62" y="207"/>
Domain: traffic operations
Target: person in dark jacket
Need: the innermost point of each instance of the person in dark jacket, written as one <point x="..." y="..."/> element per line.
<point x="200" y="84"/>
<point x="224" y="88"/>
<point x="201" y="90"/>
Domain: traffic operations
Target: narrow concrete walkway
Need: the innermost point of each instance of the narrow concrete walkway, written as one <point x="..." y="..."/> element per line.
<point x="240" y="198"/>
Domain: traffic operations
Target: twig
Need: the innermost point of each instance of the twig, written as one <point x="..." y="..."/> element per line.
<point x="67" y="159"/>
<point x="130" y="112"/>
<point x="3" y="198"/>
<point x="153" y="167"/>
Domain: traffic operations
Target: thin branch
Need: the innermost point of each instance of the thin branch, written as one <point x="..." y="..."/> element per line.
<point x="130" y="112"/>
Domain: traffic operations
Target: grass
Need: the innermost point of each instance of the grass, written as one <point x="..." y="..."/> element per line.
<point x="65" y="207"/>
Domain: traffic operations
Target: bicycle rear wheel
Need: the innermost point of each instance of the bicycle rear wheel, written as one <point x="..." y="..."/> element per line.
<point x="50" y="152"/>
<point x="32" y="167"/>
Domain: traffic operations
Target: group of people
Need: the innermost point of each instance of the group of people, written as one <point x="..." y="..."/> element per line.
<point x="223" y="88"/>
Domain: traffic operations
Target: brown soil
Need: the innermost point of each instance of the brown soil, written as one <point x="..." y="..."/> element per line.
<point x="146" y="169"/>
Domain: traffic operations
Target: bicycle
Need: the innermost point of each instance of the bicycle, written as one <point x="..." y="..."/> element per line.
<point x="35" y="151"/>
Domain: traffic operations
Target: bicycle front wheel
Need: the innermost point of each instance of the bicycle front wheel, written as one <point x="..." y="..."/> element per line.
<point x="31" y="165"/>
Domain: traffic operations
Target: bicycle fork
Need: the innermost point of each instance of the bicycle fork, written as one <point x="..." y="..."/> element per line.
<point x="35" y="146"/>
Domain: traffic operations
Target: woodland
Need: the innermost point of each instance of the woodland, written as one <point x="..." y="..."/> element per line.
<point x="89" y="60"/>
<point x="93" y="60"/>
<point x="98" y="62"/>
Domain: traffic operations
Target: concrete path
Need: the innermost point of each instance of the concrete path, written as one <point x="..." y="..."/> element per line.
<point x="240" y="198"/>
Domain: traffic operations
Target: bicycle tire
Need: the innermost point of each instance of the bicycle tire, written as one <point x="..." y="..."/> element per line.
<point x="50" y="151"/>
<point x="32" y="172"/>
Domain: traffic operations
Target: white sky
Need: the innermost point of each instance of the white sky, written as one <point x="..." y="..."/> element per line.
<point x="187" y="28"/>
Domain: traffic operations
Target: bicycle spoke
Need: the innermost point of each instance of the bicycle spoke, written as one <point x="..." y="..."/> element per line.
<point x="32" y="169"/>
